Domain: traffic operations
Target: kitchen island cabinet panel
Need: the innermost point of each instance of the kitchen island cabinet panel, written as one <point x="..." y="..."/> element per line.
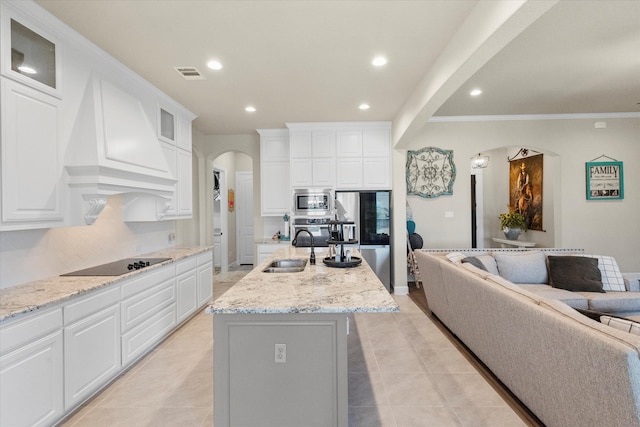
<point x="310" y="377"/>
<point x="31" y="376"/>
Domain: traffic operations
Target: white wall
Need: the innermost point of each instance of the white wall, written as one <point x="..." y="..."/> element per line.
<point x="600" y="227"/>
<point x="37" y="254"/>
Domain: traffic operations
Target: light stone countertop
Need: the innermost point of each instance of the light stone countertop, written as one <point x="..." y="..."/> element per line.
<point x="39" y="294"/>
<point x="317" y="289"/>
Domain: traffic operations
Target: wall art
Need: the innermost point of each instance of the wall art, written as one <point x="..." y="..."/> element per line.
<point x="430" y="172"/>
<point x="525" y="189"/>
<point x="604" y="181"/>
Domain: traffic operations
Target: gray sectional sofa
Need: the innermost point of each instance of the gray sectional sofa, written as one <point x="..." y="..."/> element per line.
<point x="567" y="368"/>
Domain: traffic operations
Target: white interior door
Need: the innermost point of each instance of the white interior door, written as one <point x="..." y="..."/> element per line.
<point x="244" y="217"/>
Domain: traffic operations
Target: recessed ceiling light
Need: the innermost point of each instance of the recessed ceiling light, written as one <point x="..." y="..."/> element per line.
<point x="364" y="106"/>
<point x="475" y="92"/>
<point x="214" y="64"/>
<point x="250" y="109"/>
<point x="379" y="61"/>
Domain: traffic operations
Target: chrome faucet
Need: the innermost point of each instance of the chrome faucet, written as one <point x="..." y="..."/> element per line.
<point x="312" y="258"/>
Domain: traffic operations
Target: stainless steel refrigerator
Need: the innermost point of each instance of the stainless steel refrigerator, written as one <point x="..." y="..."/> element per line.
<point x="371" y="212"/>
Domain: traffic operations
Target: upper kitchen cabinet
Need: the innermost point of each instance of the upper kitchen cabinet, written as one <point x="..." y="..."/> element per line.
<point x="175" y="133"/>
<point x="275" y="193"/>
<point x="33" y="195"/>
<point x="313" y="153"/>
<point x="78" y="126"/>
<point x="30" y="52"/>
<point x="341" y="156"/>
<point x="364" y="157"/>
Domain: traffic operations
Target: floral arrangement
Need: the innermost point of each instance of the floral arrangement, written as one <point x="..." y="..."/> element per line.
<point x="512" y="219"/>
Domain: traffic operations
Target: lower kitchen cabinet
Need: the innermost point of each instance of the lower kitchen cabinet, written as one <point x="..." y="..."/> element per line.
<point x="186" y="288"/>
<point x="140" y="339"/>
<point x="91" y="354"/>
<point x="31" y="371"/>
<point x="53" y="360"/>
<point x="91" y="344"/>
<point x="148" y="311"/>
<point x="205" y="278"/>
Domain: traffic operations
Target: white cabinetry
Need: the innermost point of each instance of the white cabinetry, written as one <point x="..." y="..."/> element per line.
<point x="313" y="153"/>
<point x="31" y="371"/>
<point x="265" y="250"/>
<point x="52" y="360"/>
<point x="186" y="288"/>
<point x="91" y="344"/>
<point x="275" y="193"/>
<point x="205" y="278"/>
<point x="148" y="311"/>
<point x="32" y="195"/>
<point x="341" y="156"/>
<point x="175" y="136"/>
<point x="364" y="157"/>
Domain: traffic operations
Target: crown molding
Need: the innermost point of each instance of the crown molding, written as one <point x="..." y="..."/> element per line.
<point x="533" y="117"/>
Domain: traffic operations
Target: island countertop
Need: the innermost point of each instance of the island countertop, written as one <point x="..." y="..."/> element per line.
<point x="317" y="289"/>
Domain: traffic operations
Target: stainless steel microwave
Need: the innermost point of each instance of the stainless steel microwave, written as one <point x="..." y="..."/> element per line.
<point x="312" y="202"/>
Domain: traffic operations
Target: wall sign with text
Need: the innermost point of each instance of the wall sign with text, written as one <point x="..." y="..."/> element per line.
<point x="604" y="181"/>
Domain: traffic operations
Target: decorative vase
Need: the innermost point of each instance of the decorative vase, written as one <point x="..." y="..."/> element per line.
<point x="512" y="233"/>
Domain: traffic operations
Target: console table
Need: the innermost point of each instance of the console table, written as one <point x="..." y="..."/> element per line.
<point x="518" y="243"/>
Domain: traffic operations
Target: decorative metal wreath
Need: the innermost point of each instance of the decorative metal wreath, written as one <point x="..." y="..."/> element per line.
<point x="430" y="172"/>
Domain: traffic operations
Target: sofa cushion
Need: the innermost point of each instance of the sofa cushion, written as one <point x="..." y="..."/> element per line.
<point x="575" y="273"/>
<point x="612" y="302"/>
<point x="572" y="299"/>
<point x="485" y="262"/>
<point x="525" y="267"/>
<point x="621" y="324"/>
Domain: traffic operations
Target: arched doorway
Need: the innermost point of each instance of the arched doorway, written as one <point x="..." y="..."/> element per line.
<point x="227" y="235"/>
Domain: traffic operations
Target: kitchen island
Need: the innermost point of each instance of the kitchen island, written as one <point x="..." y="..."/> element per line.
<point x="280" y="353"/>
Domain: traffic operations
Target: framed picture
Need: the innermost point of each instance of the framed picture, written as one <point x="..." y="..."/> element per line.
<point x="430" y="172"/>
<point x="525" y="189"/>
<point x="604" y="181"/>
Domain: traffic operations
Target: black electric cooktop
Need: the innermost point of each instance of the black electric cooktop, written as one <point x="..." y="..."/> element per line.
<point x="118" y="268"/>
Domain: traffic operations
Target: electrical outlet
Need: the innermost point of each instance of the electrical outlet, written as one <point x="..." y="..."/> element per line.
<point x="281" y="353"/>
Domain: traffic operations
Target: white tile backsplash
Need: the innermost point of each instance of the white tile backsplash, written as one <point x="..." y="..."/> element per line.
<point x="36" y="254"/>
<point x="271" y="225"/>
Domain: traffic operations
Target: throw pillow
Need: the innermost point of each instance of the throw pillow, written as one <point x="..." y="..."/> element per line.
<point x="621" y="324"/>
<point x="489" y="262"/>
<point x="573" y="273"/>
<point x="474" y="261"/>
<point x="456" y="256"/>
<point x="612" y="279"/>
<point x="527" y="267"/>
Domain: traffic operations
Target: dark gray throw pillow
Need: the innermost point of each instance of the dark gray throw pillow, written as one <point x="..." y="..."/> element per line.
<point x="475" y="262"/>
<point x="575" y="273"/>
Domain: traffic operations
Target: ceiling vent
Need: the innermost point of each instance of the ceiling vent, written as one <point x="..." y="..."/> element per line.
<point x="190" y="73"/>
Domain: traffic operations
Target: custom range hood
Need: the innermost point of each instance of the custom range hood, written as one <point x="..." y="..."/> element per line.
<point x="114" y="150"/>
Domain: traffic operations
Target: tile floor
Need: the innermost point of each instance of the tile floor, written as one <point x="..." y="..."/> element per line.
<point x="403" y="372"/>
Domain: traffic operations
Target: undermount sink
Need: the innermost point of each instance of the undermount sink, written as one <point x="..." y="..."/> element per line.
<point x="286" y="266"/>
